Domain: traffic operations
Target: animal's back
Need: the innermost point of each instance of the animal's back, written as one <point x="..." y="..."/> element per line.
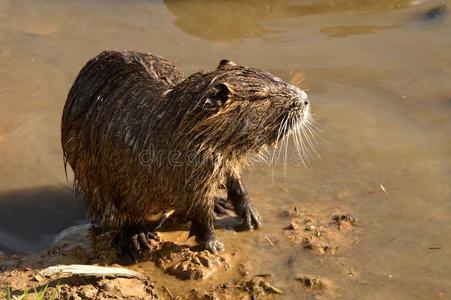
<point x="103" y="121"/>
<point x="105" y="76"/>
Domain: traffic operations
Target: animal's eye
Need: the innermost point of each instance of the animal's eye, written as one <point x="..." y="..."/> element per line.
<point x="222" y="92"/>
<point x="217" y="96"/>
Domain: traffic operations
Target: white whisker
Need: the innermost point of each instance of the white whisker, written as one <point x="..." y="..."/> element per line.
<point x="284" y="137"/>
<point x="309" y="140"/>
<point x="298" y="144"/>
<point x="277" y="140"/>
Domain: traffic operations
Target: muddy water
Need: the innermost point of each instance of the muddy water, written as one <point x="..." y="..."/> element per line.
<point x="379" y="77"/>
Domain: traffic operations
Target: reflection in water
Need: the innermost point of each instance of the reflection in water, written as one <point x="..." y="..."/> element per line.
<point x="227" y="20"/>
<point x="344" y="31"/>
<point x="382" y="101"/>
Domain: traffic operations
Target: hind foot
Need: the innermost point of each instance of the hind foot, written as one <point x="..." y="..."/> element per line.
<point x="205" y="235"/>
<point x="222" y="206"/>
<point x="134" y="240"/>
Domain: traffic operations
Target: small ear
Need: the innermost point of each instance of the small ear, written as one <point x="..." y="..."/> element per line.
<point x="225" y="63"/>
<point x="217" y="96"/>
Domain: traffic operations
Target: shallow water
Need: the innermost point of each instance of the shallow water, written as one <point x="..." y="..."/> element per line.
<point x="379" y="77"/>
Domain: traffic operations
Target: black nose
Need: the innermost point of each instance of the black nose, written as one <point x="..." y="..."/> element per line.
<point x="305" y="103"/>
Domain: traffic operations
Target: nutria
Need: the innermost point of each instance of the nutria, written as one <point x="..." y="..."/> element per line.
<point x="125" y="107"/>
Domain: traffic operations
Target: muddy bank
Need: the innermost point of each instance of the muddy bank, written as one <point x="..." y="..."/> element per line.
<point x="178" y="268"/>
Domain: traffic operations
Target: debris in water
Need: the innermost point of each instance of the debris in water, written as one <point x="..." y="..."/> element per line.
<point x="321" y="247"/>
<point x="264" y="275"/>
<point x="296" y="78"/>
<point x="436" y="12"/>
<point x="169" y="293"/>
<point x="341" y="219"/>
<point x="293" y="213"/>
<point x="271" y="288"/>
<point x="384" y="190"/>
<point x="309" y="228"/>
<point x="269" y="240"/>
<point x="311" y="282"/>
<point x="294" y="225"/>
<point x="350" y="270"/>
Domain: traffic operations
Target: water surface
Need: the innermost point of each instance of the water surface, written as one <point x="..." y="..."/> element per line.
<point x="379" y="78"/>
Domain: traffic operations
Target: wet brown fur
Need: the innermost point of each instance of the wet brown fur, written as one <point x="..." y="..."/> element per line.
<point x="128" y="112"/>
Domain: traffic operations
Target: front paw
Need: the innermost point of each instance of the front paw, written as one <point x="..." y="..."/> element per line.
<point x="213" y="245"/>
<point x="251" y="219"/>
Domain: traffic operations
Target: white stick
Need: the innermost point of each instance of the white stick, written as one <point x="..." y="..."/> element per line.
<point x="89" y="270"/>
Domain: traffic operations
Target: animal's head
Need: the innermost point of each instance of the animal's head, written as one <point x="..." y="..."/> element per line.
<point x="239" y="109"/>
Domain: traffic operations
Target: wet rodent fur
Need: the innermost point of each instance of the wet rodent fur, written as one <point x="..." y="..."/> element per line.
<point x="142" y="138"/>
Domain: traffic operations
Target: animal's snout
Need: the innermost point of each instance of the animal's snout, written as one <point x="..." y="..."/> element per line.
<point x="300" y="101"/>
<point x="298" y="105"/>
<point x="302" y="97"/>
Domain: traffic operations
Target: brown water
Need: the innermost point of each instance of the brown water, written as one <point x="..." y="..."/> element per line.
<point x="379" y="77"/>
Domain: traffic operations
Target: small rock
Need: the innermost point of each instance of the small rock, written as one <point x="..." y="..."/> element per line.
<point x="294" y="225"/>
<point x="341" y="219"/>
<point x="186" y="270"/>
<point x="108" y="286"/>
<point x="308" y="242"/>
<point x="310" y="282"/>
<point x="38" y="278"/>
<point x="184" y="263"/>
<point x="129" y="287"/>
<point x="204" y="261"/>
<point x="88" y="292"/>
<point x="309" y="228"/>
<point x="75" y="236"/>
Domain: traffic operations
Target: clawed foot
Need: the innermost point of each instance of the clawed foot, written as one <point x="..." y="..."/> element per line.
<point x="222" y="206"/>
<point x="243" y="209"/>
<point x="134" y="240"/>
<point x="251" y="219"/>
<point x="213" y="245"/>
<point x="236" y="193"/>
<point x="204" y="232"/>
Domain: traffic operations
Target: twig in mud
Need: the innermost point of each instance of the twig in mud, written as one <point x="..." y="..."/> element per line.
<point x="162" y="265"/>
<point x="269" y="240"/>
<point x="264" y="275"/>
<point x="435" y="248"/>
<point x="348" y="268"/>
<point x="169" y="293"/>
<point x="90" y="270"/>
<point x="271" y="288"/>
<point x="235" y="286"/>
